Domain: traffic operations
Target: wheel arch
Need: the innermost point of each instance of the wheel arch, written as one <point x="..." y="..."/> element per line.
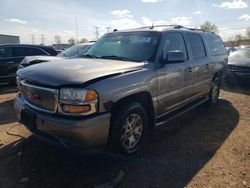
<point x="144" y="98"/>
<point x="218" y="74"/>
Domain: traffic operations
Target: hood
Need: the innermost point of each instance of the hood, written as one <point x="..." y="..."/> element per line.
<point x="30" y="60"/>
<point x="239" y="62"/>
<point x="75" y="71"/>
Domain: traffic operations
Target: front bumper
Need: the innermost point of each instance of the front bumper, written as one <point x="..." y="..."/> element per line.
<point x="236" y="77"/>
<point x="67" y="131"/>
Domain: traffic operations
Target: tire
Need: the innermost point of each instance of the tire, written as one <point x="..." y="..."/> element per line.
<point x="128" y="129"/>
<point x="214" y="92"/>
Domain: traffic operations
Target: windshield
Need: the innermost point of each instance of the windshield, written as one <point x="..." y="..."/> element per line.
<point x="240" y="54"/>
<point x="139" y="46"/>
<point x="74" y="51"/>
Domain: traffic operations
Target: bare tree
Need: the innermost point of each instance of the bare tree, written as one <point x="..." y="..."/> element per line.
<point x="238" y="39"/>
<point x="248" y="32"/>
<point x="58" y="39"/>
<point x="71" y="41"/>
<point x="83" y="40"/>
<point x="207" y="26"/>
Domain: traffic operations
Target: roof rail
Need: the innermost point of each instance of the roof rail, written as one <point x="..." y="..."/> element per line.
<point x="175" y="27"/>
<point x="153" y="26"/>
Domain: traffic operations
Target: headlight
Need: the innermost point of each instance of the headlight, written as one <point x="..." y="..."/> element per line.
<point x="78" y="101"/>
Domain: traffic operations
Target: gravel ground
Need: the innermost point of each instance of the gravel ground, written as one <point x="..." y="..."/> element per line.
<point x="207" y="147"/>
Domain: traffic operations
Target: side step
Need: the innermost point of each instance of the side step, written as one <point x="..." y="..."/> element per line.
<point x="173" y="115"/>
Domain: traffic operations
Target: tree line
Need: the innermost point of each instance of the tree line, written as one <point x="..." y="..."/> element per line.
<point x="72" y="41"/>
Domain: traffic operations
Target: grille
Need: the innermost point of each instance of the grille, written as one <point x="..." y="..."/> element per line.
<point x="238" y="69"/>
<point x="41" y="98"/>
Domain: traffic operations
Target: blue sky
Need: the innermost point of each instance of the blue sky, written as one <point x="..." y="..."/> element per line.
<point x="58" y="17"/>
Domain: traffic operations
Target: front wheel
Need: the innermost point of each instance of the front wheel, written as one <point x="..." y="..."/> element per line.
<point x="128" y="128"/>
<point x="214" y="92"/>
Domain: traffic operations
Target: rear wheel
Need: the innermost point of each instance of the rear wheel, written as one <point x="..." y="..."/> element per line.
<point x="214" y="92"/>
<point x="128" y="129"/>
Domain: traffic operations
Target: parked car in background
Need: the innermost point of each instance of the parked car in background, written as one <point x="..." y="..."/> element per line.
<point x="244" y="46"/>
<point x="76" y="51"/>
<point x="11" y="55"/>
<point x="59" y="50"/>
<point x="231" y="50"/>
<point x="238" y="68"/>
<point x="128" y="83"/>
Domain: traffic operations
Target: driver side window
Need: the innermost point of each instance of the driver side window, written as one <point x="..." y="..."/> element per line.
<point x="174" y="42"/>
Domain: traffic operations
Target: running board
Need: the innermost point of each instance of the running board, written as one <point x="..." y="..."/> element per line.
<point x="173" y="115"/>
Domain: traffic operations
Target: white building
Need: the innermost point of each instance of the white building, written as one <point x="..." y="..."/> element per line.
<point x="9" y="39"/>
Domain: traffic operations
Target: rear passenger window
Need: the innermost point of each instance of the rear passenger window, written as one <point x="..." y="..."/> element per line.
<point x="173" y="42"/>
<point x="37" y="51"/>
<point x="215" y="44"/>
<point x="5" y="52"/>
<point x="197" y="45"/>
<point x="25" y="51"/>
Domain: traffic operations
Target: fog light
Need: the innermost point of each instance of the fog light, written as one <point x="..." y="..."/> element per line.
<point x="76" y="109"/>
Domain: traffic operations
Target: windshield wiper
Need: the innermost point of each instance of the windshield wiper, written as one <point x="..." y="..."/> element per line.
<point x="89" y="56"/>
<point x="115" y="57"/>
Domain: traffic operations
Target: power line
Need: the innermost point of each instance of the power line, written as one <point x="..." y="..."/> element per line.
<point x="97" y="32"/>
<point x="32" y="38"/>
<point x="42" y="38"/>
<point x="108" y="29"/>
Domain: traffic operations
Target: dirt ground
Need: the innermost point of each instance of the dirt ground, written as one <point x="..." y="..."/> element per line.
<point x="207" y="147"/>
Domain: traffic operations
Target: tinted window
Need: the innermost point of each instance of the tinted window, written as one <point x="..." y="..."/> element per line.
<point x="173" y="42"/>
<point x="215" y="44"/>
<point x="197" y="46"/>
<point x="25" y="51"/>
<point x="5" y="52"/>
<point x="74" y="51"/>
<point x="50" y="50"/>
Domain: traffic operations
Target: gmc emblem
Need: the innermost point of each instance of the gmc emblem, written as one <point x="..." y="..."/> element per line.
<point x="33" y="97"/>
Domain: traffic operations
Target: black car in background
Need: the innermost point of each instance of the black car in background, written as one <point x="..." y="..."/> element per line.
<point x="76" y="51"/>
<point x="12" y="54"/>
<point x="238" y="68"/>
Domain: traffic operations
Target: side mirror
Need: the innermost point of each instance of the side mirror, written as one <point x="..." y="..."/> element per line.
<point x="175" y="56"/>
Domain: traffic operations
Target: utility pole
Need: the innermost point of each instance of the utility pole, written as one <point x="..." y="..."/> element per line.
<point x="76" y="31"/>
<point x="108" y="29"/>
<point x="32" y="38"/>
<point x="42" y="38"/>
<point x="97" y="32"/>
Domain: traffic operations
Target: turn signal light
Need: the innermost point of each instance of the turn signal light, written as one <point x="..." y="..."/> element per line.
<point x="90" y="96"/>
<point x="76" y="109"/>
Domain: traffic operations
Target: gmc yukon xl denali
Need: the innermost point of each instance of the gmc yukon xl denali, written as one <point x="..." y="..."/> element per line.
<point x="129" y="82"/>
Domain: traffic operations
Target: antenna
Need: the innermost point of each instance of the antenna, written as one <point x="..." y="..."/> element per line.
<point x="152" y="27"/>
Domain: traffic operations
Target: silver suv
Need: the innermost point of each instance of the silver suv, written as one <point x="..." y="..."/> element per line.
<point x="128" y="83"/>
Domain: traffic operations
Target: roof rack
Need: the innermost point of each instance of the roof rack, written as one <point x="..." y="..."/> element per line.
<point x="173" y="26"/>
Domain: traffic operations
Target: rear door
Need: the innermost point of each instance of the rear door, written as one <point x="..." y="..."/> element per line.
<point x="218" y="54"/>
<point x="171" y="76"/>
<point x="200" y="65"/>
<point x="6" y="58"/>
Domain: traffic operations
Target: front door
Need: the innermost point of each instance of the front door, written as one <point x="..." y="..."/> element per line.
<point x="171" y="76"/>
